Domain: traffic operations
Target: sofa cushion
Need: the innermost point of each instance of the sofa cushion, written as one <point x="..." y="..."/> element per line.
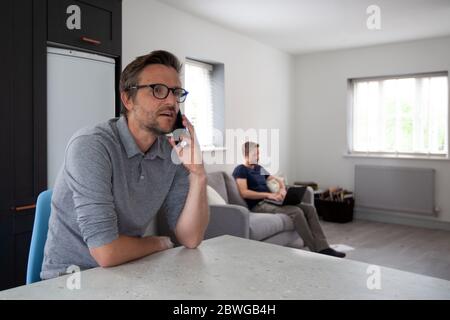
<point x="265" y="225"/>
<point x="217" y="182"/>
<point x="234" y="197"/>
<point x="213" y="197"/>
<point x="288" y="223"/>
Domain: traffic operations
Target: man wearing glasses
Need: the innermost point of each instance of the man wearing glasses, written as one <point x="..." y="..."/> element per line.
<point x="119" y="174"/>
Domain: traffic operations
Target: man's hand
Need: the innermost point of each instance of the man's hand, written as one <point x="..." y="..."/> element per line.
<point x="283" y="192"/>
<point x="188" y="150"/>
<point x="166" y="243"/>
<point x="275" y="196"/>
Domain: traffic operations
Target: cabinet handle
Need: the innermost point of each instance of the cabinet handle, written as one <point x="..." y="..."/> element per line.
<point x="22" y="208"/>
<point x="92" y="41"/>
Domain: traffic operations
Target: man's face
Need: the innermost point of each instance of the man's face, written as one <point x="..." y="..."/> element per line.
<point x="148" y="112"/>
<point x="253" y="156"/>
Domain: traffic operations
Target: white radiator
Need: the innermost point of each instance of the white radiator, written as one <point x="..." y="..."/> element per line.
<point x="395" y="189"/>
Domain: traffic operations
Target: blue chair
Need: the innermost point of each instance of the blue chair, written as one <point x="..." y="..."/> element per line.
<point x="39" y="236"/>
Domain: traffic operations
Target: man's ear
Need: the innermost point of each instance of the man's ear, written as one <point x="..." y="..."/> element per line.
<point x="127" y="101"/>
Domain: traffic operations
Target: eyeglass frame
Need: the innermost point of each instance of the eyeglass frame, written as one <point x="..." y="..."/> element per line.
<point x="140" y="86"/>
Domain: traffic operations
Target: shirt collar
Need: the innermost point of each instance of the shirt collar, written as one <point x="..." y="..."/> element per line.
<point x="132" y="149"/>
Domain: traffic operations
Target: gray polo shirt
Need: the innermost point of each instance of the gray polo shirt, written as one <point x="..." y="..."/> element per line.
<point x="107" y="187"/>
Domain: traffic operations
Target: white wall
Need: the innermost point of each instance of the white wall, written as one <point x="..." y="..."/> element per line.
<point x="257" y="77"/>
<point x="321" y="109"/>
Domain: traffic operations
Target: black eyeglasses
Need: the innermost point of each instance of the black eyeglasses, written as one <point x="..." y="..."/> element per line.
<point x="161" y="91"/>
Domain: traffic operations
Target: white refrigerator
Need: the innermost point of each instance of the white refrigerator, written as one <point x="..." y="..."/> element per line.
<point x="80" y="93"/>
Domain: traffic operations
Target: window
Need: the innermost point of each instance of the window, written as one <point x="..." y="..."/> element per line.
<point x="401" y="116"/>
<point x="204" y="105"/>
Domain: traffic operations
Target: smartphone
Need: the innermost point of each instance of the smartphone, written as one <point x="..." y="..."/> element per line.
<point x="178" y="128"/>
<point x="179" y="122"/>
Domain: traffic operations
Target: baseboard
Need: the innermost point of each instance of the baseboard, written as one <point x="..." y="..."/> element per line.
<point x="399" y="218"/>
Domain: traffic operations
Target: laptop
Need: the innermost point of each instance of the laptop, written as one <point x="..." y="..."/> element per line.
<point x="294" y="196"/>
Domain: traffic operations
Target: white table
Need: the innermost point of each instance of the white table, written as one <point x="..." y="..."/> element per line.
<point x="233" y="268"/>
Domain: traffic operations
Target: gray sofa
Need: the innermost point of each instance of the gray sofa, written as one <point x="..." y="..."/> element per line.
<point x="235" y="219"/>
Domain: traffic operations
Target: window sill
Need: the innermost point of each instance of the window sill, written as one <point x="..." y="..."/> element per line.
<point x="390" y="156"/>
<point x="212" y="148"/>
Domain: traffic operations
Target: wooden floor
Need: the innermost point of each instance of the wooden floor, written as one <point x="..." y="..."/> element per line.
<point x="418" y="250"/>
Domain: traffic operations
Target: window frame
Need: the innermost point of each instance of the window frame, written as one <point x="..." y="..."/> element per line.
<point x="384" y="154"/>
<point x="216" y="70"/>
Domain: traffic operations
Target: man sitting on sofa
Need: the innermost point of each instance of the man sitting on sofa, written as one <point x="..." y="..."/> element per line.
<point x="252" y="180"/>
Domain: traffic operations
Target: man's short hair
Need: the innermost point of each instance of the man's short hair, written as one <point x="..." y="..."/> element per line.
<point x="130" y="75"/>
<point x="248" y="146"/>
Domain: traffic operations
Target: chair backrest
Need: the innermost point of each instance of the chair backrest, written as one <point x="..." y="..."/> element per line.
<point x="217" y="182"/>
<point x="226" y="187"/>
<point x="234" y="197"/>
<point x="39" y="236"/>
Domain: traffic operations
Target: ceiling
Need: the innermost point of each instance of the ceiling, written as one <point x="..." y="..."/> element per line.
<point x="302" y="26"/>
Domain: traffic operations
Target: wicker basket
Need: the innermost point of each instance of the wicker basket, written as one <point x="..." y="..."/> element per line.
<point x="335" y="211"/>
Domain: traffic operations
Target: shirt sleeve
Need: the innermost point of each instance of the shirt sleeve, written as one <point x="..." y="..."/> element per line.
<point x="176" y="198"/>
<point x="88" y="173"/>
<point x="264" y="172"/>
<point x="240" y="172"/>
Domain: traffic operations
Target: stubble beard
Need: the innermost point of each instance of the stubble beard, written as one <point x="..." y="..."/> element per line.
<point x="153" y="126"/>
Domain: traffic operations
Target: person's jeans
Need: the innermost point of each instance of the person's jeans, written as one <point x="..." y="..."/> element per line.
<point x="305" y="219"/>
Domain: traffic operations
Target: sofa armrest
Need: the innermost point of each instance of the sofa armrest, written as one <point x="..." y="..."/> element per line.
<point x="228" y="219"/>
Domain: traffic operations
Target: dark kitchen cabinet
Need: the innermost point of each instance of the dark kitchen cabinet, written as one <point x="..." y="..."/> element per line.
<point x="93" y="25"/>
<point x="26" y="28"/>
<point x="22" y="134"/>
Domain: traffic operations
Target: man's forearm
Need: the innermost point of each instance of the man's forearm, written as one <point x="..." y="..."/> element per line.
<point x="194" y="218"/>
<point x="282" y="184"/>
<point x="254" y="195"/>
<point x="126" y="248"/>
